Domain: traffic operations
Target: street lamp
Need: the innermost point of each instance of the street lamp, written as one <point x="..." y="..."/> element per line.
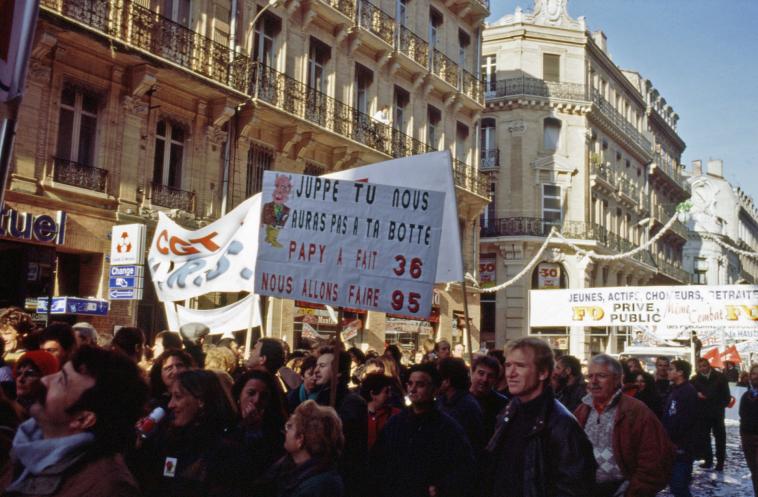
<point x="271" y="3"/>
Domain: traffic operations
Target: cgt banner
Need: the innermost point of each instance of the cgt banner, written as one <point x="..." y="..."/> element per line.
<point x="670" y="310"/>
<point x="349" y="244"/>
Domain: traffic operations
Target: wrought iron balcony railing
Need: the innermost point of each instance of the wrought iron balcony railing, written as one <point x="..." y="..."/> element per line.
<point x="81" y="175"/>
<point x="469" y="178"/>
<point x="671" y="270"/>
<point x="346" y="7"/>
<point x="489" y="159"/>
<point x="620" y="121"/>
<point x="534" y="87"/>
<point x="172" y="198"/>
<point x="471" y="86"/>
<point x="140" y="27"/>
<point x="629" y="189"/>
<point x="413" y="46"/>
<point x="603" y="170"/>
<point x="540" y="227"/>
<point x="443" y="66"/>
<point x="673" y="171"/>
<point x="375" y="20"/>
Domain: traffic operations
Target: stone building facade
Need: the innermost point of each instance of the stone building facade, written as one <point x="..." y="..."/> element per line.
<point x="571" y="141"/>
<point x="134" y="107"/>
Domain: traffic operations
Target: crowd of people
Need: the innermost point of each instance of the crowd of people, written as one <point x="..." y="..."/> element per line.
<point x="186" y="417"/>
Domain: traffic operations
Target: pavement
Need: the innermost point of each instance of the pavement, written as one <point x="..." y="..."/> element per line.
<point x="734" y="481"/>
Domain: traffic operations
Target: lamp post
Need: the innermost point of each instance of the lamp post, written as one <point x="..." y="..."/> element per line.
<point x="271" y="3"/>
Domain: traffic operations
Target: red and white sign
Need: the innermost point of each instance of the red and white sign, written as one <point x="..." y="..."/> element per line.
<point x="128" y="244"/>
<point x="488" y="270"/>
<point x="548" y="276"/>
<point x="348" y="244"/>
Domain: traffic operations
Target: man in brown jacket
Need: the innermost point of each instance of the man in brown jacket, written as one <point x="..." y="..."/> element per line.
<point x="633" y="452"/>
<point x="83" y="417"/>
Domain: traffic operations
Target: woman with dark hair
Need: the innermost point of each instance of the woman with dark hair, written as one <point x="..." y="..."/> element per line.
<point x="307" y="389"/>
<point x="163" y="373"/>
<point x="647" y="393"/>
<point x="313" y="441"/>
<point x="262" y="417"/>
<point x="192" y="454"/>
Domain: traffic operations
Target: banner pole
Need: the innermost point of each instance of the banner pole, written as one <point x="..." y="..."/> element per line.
<point x="338" y="348"/>
<point x="249" y="334"/>
<point x="467" y="327"/>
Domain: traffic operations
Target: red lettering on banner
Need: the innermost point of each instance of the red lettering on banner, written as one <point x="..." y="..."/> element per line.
<point x="180" y="246"/>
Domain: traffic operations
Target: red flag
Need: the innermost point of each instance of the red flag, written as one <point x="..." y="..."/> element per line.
<point x="714" y="358"/>
<point x="731" y="355"/>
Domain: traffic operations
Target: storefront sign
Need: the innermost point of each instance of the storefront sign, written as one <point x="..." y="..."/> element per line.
<point x="125" y="282"/>
<point x="73" y="305"/>
<point x="127" y="271"/>
<point x="37" y="228"/>
<point x="670" y="310"/>
<point x="348" y="244"/>
<point x="125" y="293"/>
<point x="128" y="244"/>
<point x="548" y="276"/>
<point x="488" y="270"/>
<point x="397" y="325"/>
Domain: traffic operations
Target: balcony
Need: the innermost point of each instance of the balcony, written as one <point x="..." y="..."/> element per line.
<point x="469" y="178"/>
<point x="377" y="22"/>
<point x="172" y="198"/>
<point x="671" y="171"/>
<point x="443" y="67"/>
<point x="578" y="230"/>
<point x="662" y="214"/>
<point x="533" y="87"/>
<point x="141" y="28"/>
<point x="629" y="190"/>
<point x="81" y="175"/>
<point x="413" y="47"/>
<point x="672" y="271"/>
<point x="340" y="9"/>
<point x="603" y="174"/>
<point x="471" y="86"/>
<point x="489" y="159"/>
<point x="620" y="122"/>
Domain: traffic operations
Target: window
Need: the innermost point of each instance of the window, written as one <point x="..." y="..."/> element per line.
<point x="434" y="117"/>
<point x="77" y="126"/>
<point x="318" y="56"/>
<point x="169" y="154"/>
<point x="266" y="30"/>
<point x="402" y="99"/>
<point x="699" y="278"/>
<point x="461" y="142"/>
<point x="401" y="12"/>
<point x="488" y="144"/>
<point x="435" y="23"/>
<point x="176" y="10"/>
<point x="551" y="67"/>
<point x="363" y="79"/>
<point x="464" y="40"/>
<point x="489" y="75"/>
<point x="551" y="206"/>
<point x="259" y="159"/>
<point x="552" y="133"/>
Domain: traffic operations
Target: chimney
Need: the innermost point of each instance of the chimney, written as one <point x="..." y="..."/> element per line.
<point x="697" y="168"/>
<point x="716" y="168"/>
<point x="601" y="40"/>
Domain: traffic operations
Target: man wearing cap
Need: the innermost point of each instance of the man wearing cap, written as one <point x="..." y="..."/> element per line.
<point x="85" y="334"/>
<point x="28" y="371"/>
<point x="194" y="334"/>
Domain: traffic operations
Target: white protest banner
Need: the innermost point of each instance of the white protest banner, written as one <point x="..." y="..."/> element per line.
<point x="348" y="244"/>
<point x="433" y="171"/>
<point x="217" y="258"/>
<point x="673" y="310"/>
<point x="234" y="317"/>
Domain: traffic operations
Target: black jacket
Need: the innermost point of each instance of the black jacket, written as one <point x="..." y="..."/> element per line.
<point x="491" y="405"/>
<point x="680" y="416"/>
<point x="313" y="478"/>
<point x="353" y="412"/>
<point x="464" y="408"/>
<point x="749" y="413"/>
<point x="557" y="459"/>
<point x="571" y="395"/>
<point x="715" y="388"/>
<point x="416" y="451"/>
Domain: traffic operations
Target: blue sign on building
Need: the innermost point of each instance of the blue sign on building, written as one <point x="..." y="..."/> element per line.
<point x="125" y="293"/>
<point x="73" y="305"/>
<point x="125" y="282"/>
<point x="128" y="271"/>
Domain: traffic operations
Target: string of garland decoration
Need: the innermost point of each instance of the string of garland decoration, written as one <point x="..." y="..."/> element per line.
<point x="725" y="245"/>
<point x="526" y="269"/>
<point x="681" y="208"/>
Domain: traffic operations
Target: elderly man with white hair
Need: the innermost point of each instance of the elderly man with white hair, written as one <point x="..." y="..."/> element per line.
<point x="633" y="453"/>
<point x="85" y="334"/>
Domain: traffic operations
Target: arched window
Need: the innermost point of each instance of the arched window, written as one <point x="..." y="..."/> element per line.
<point x="552" y="133"/>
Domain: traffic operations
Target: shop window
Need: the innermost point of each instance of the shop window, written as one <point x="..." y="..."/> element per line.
<point x="169" y="154"/>
<point x="551" y="134"/>
<point x="77" y="125"/>
<point x="259" y="159"/>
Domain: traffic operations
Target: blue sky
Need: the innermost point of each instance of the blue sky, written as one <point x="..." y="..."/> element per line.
<point x="702" y="55"/>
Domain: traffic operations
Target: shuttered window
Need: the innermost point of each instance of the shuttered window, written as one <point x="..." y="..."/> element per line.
<point x="551" y="67"/>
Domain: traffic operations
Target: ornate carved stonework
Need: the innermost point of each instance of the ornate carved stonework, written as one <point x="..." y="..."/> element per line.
<point x="39" y="72"/>
<point x="216" y="135"/>
<point x="546" y="12"/>
<point x="134" y="105"/>
<point x="516" y="128"/>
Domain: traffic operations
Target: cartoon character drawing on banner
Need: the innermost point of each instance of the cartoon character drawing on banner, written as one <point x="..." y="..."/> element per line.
<point x="276" y="213"/>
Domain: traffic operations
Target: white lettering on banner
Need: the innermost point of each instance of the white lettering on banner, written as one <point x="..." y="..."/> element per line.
<point x="673" y="311"/>
<point x="348" y="244"/>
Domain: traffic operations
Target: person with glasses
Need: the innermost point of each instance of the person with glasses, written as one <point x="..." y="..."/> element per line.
<point x="421" y="451"/>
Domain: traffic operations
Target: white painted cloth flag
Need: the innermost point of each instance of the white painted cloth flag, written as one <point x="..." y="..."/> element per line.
<point x="234" y="317"/>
